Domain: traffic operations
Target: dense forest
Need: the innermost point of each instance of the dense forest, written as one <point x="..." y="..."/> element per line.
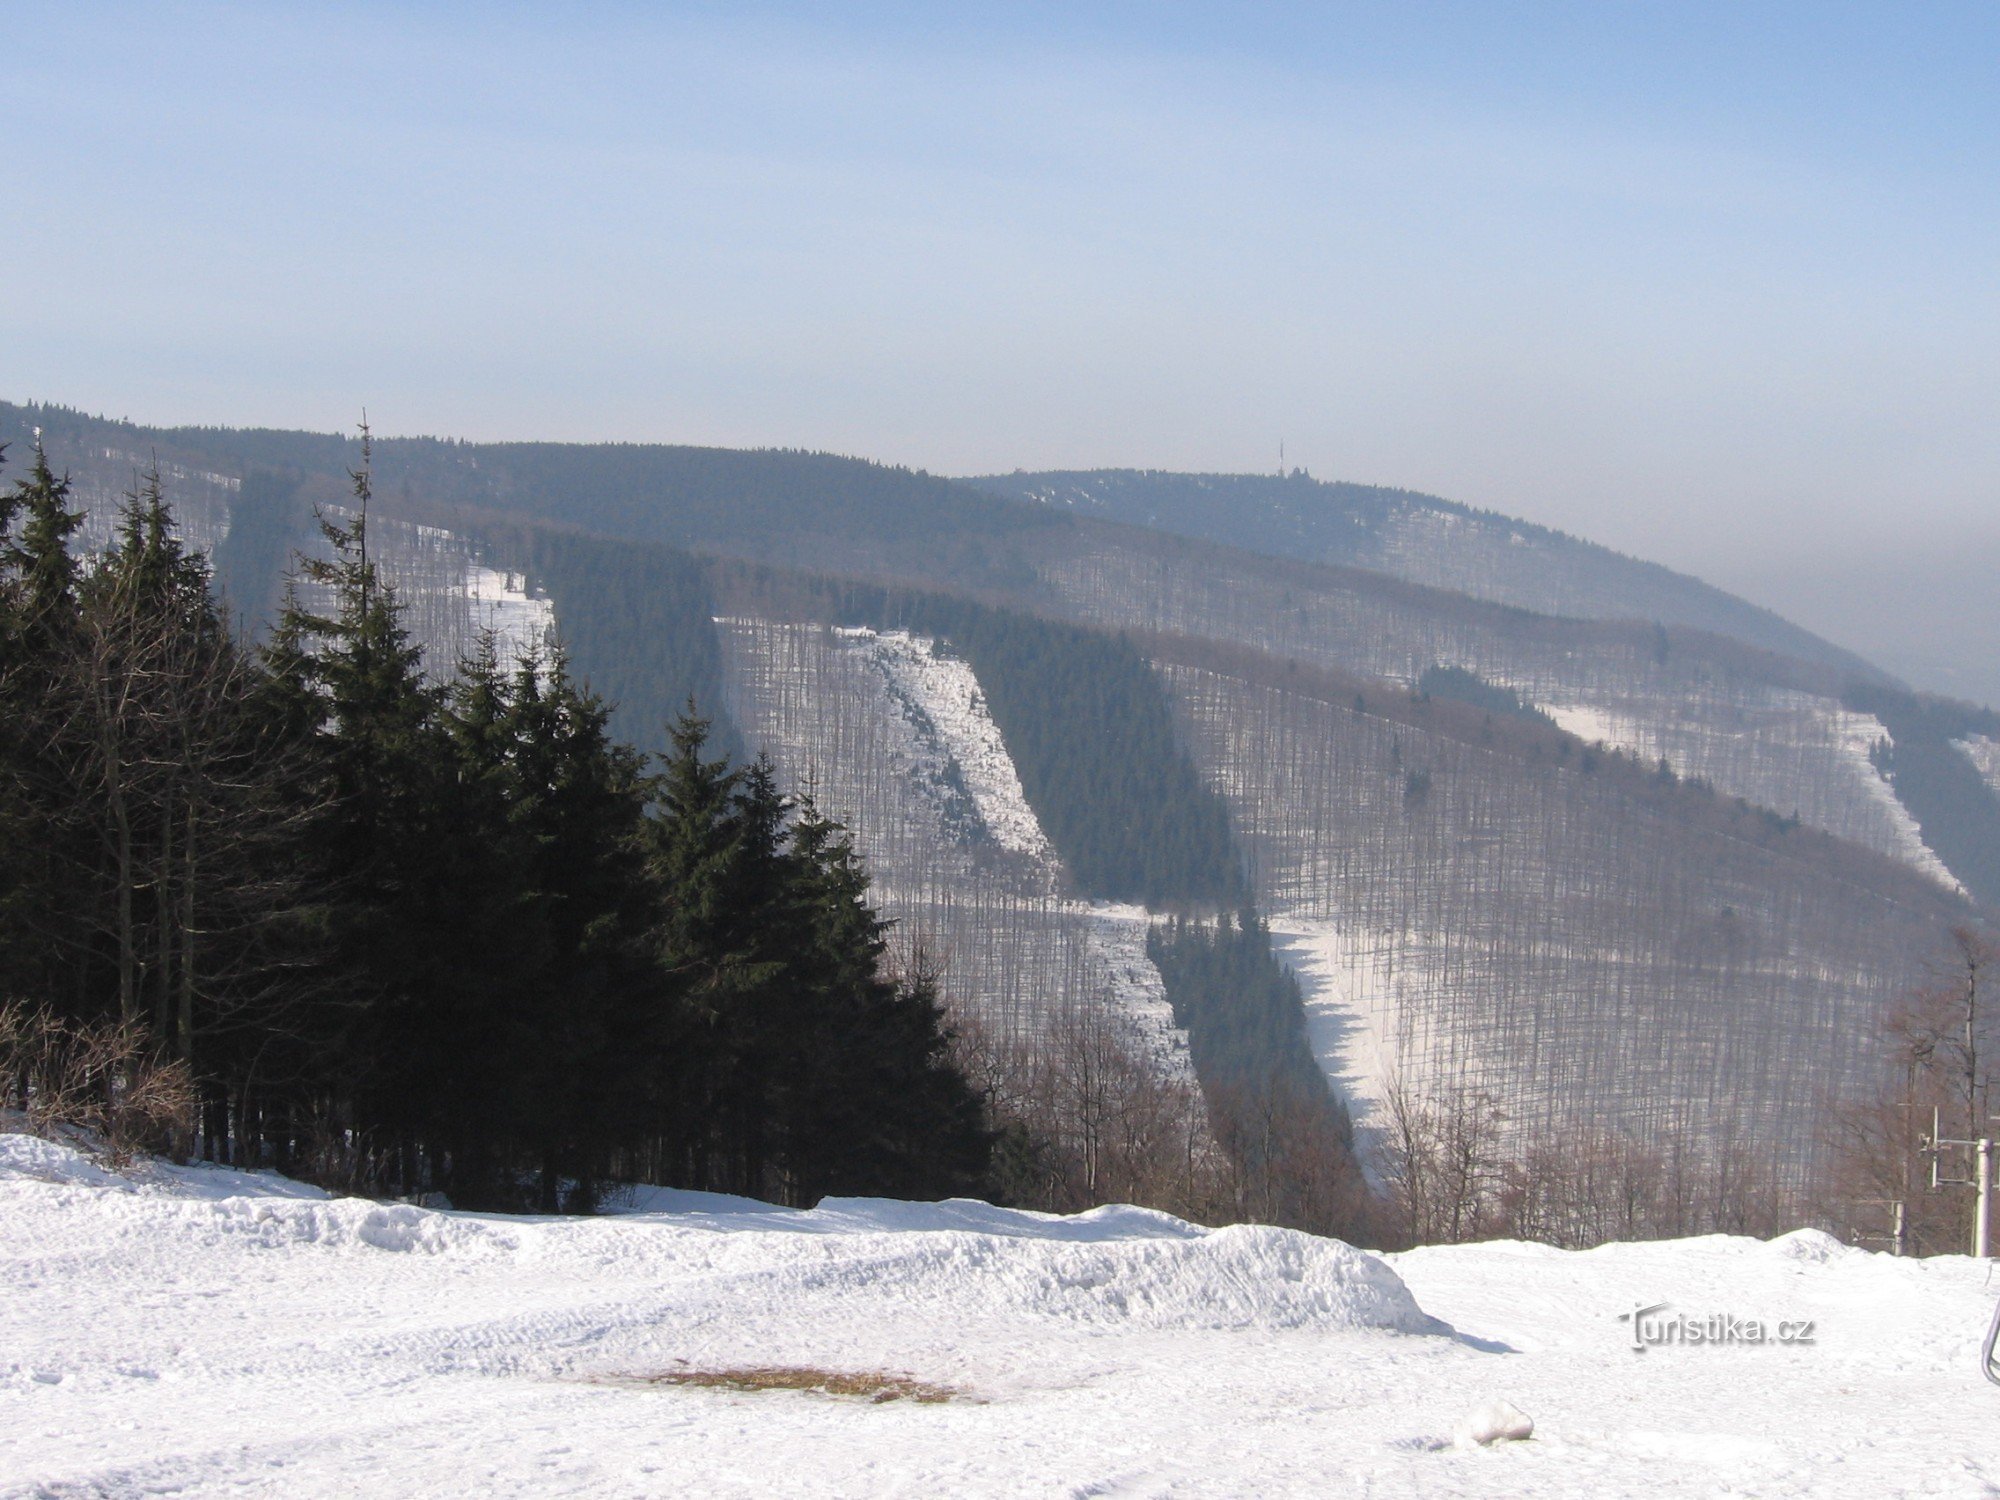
<point x="1094" y="741"/>
<point x="1268" y="1096"/>
<point x="413" y="935"/>
<point x="638" y="622"/>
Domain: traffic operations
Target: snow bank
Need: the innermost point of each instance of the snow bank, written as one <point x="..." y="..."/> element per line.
<point x="204" y="1332"/>
<point x="31" y="1158"/>
<point x="1113" y="1267"/>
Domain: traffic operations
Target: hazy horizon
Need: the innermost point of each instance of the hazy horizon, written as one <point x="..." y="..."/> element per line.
<point x="1711" y="285"/>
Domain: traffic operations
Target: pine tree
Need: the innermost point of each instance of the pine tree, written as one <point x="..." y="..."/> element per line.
<point x="42" y="899"/>
<point x="699" y="855"/>
<point x="577" y="801"/>
<point x="388" y="843"/>
<point x="874" y="1103"/>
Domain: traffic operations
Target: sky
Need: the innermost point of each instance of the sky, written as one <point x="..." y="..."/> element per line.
<point x="1717" y="285"/>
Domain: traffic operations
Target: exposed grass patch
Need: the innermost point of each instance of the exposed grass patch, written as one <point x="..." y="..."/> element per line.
<point x="867" y="1385"/>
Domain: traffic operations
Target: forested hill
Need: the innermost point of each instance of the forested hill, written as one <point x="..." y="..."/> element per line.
<point x="1416" y="536"/>
<point x="1591" y="870"/>
<point x="996" y="535"/>
<point x="790" y="506"/>
<point x="1598" y="651"/>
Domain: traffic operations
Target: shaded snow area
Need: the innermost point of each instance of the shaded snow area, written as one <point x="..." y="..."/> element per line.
<point x="1797" y="754"/>
<point x="1985" y="757"/>
<point x="222" y="1333"/>
<point x="1352" y="1017"/>
<point x="893" y="736"/>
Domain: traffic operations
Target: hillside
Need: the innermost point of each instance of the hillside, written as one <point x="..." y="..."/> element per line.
<point x="1420" y="537"/>
<point x="208" y="1332"/>
<point x="1601" y="874"/>
<point x="1773" y="728"/>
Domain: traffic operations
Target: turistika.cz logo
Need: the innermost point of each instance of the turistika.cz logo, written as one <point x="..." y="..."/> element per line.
<point x="1653" y="1327"/>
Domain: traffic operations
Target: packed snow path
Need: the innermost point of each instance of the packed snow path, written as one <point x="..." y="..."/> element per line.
<point x="201" y="1332"/>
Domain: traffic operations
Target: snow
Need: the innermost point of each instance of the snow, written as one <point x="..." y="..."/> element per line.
<point x="1594" y="726"/>
<point x="1118" y="934"/>
<point x="1793" y="748"/>
<point x="1984" y="754"/>
<point x="1352" y="1011"/>
<point x="1855" y="735"/>
<point x="940" y="693"/>
<point x="199" y="1333"/>
<point x="523" y="623"/>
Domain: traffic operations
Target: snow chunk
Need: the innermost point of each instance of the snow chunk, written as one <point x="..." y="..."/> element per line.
<point x="1813" y="1246"/>
<point x="1495" y="1422"/>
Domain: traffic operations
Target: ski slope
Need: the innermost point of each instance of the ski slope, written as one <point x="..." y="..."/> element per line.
<point x="201" y="1332"/>
<point x="893" y="736"/>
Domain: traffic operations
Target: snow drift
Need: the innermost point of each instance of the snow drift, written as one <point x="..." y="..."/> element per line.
<point x="198" y="1331"/>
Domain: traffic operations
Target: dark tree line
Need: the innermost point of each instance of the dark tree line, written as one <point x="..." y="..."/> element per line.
<point x="414" y="935"/>
<point x="640" y="622"/>
<point x="1463" y="686"/>
<point x="1269" y="1102"/>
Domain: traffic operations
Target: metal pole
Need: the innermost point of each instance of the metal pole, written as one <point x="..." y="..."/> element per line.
<point x="1980" y="1224"/>
<point x="1900" y="1231"/>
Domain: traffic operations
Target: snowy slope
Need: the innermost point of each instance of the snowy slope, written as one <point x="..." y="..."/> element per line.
<point x="523" y="623"/>
<point x="1352" y="1018"/>
<point x="1524" y="935"/>
<point x="449" y="596"/>
<point x="893" y="737"/>
<point x="1757" y="728"/>
<point x="939" y="698"/>
<point x="1984" y="754"/>
<point x="183" y="1335"/>
<point x="1793" y="752"/>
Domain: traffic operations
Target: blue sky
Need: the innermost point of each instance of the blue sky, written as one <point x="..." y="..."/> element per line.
<point x="1715" y="284"/>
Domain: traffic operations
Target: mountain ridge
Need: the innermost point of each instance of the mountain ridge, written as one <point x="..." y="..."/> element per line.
<point x="1372" y="526"/>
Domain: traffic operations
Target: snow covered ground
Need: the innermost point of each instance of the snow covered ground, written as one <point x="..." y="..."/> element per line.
<point x="1984" y="754"/>
<point x="954" y="734"/>
<point x="202" y="1332"/>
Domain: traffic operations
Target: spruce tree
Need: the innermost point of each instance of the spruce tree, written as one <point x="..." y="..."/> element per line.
<point x="388" y="842"/>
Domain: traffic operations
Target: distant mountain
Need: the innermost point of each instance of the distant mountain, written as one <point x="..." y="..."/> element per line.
<point x="1602" y="842"/>
<point x="1419" y="537"/>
